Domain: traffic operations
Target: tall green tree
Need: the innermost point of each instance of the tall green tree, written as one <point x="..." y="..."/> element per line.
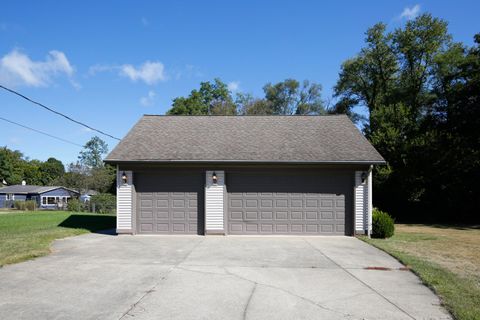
<point x="11" y="166"/>
<point x="50" y="170"/>
<point x="93" y="152"/>
<point x="409" y="82"/>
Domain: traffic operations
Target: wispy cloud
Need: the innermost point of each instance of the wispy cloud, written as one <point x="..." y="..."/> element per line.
<point x="144" y="21"/>
<point x="148" y="99"/>
<point x="148" y="72"/>
<point x="18" y="69"/>
<point x="234" y="86"/>
<point x="410" y="13"/>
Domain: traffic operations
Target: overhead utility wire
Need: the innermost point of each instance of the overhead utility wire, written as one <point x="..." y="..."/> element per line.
<point x="56" y="112"/>
<point x="41" y="132"/>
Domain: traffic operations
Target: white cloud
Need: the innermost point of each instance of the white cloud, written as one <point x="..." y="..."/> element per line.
<point x="16" y="68"/>
<point x="234" y="86"/>
<point x="144" y="21"/>
<point x="93" y="70"/>
<point x="149" y="99"/>
<point x="410" y="13"/>
<point x="149" y="72"/>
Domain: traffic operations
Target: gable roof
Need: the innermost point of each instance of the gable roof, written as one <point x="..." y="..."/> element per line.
<point x="26" y="189"/>
<point x="306" y="139"/>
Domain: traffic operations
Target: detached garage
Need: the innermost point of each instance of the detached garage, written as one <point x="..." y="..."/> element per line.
<point x="250" y="175"/>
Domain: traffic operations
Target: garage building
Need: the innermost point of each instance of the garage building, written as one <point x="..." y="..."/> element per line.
<point x="250" y="175"/>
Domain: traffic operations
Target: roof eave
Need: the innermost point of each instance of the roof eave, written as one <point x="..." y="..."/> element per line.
<point x="364" y="162"/>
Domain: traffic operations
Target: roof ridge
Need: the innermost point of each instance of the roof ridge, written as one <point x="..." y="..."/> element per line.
<point x="247" y="115"/>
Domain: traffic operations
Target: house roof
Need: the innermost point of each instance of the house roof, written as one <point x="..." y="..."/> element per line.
<point x="27" y="189"/>
<point x="306" y="139"/>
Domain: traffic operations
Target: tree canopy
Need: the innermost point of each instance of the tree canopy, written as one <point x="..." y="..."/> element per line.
<point x="420" y="91"/>
<point x="283" y="98"/>
<point x="92" y="154"/>
<point x="15" y="168"/>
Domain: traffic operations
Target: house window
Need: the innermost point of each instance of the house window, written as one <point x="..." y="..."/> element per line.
<point x="51" y="200"/>
<point x="10" y="196"/>
<point x="44" y="200"/>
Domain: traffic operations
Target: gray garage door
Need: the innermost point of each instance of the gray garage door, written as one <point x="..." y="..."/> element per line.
<point x="288" y="203"/>
<point x="168" y="203"/>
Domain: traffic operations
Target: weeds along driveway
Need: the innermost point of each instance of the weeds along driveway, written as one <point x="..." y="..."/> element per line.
<point x="98" y="276"/>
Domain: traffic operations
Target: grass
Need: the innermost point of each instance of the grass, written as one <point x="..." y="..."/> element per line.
<point x="26" y="235"/>
<point x="446" y="258"/>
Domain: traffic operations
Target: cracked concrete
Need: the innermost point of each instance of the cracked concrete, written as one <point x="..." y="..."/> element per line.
<point x="191" y="277"/>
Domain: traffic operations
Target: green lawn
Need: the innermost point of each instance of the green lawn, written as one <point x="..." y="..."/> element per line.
<point x="27" y="235"/>
<point x="447" y="259"/>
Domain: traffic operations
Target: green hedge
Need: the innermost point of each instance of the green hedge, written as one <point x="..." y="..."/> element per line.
<point x="382" y="224"/>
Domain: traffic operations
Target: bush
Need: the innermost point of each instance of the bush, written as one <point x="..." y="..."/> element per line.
<point x="30" y="205"/>
<point x="382" y="224"/>
<point x="103" y="203"/>
<point x="74" y="205"/>
<point x="19" y="205"/>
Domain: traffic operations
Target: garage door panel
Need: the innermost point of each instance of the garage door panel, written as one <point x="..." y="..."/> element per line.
<point x="168" y="203"/>
<point x="296" y="204"/>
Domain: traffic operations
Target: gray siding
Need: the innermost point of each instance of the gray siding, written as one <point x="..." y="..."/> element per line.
<point x="4" y="203"/>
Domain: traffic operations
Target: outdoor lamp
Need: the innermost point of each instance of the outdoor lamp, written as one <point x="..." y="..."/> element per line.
<point x="124" y="177"/>
<point x="364" y="176"/>
<point x="214" y="178"/>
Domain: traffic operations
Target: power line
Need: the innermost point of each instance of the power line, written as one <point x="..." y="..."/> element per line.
<point x="41" y="132"/>
<point x="56" y="112"/>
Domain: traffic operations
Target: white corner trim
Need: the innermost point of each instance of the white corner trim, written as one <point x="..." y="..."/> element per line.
<point x="361" y="201"/>
<point x="124" y="201"/>
<point x="370" y="200"/>
<point x="214" y="197"/>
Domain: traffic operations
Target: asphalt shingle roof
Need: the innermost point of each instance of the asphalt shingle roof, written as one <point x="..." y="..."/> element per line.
<point x="26" y="189"/>
<point x="327" y="139"/>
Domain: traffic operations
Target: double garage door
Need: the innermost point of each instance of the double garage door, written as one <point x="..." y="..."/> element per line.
<point x="256" y="203"/>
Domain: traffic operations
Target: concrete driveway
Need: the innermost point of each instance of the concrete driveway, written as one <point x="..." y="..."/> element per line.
<point x="191" y="277"/>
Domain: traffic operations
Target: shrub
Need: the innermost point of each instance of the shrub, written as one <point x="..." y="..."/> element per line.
<point x="74" y="205"/>
<point x="103" y="203"/>
<point x="30" y="205"/>
<point x="382" y="224"/>
<point x="19" y="205"/>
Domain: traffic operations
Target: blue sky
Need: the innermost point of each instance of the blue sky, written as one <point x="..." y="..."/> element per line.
<point x="106" y="63"/>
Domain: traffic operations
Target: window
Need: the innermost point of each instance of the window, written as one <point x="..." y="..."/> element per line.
<point x="44" y="200"/>
<point x="10" y="196"/>
<point x="51" y="200"/>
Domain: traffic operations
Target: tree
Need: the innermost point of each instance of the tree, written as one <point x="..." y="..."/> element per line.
<point x="418" y="88"/>
<point x="284" y="98"/>
<point x="11" y="166"/>
<point x="93" y="152"/>
<point x="290" y="97"/>
<point x="50" y="170"/>
<point x="211" y="99"/>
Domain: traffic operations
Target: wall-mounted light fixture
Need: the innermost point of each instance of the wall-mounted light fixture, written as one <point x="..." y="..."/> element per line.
<point x="124" y="178"/>
<point x="364" y="176"/>
<point x="214" y="178"/>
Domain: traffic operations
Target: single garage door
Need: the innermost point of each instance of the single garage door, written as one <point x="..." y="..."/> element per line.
<point x="289" y="203"/>
<point x="168" y="203"/>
